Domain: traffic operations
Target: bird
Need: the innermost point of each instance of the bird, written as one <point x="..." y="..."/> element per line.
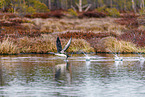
<point x="118" y="58"/>
<point x="61" y="52"/>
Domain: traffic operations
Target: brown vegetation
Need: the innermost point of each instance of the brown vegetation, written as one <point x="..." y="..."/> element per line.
<point x="111" y="44"/>
<point x="42" y="44"/>
<point x="89" y="34"/>
<point x="56" y="14"/>
<point x="8" y="47"/>
<point x="91" y="14"/>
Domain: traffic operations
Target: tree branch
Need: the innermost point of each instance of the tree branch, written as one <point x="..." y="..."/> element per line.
<point x="88" y="7"/>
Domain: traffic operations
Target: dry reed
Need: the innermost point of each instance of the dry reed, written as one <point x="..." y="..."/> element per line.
<point x="79" y="45"/>
<point x="8" y="47"/>
<point x="42" y="44"/>
<point x="111" y="44"/>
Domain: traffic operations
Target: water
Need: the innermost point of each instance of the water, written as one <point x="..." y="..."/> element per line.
<point x="51" y="76"/>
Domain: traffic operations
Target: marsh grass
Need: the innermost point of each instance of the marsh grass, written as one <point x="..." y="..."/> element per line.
<point x="111" y="44"/>
<point x="88" y="35"/>
<point x="79" y="44"/>
<point x="43" y="44"/>
<point x="8" y="47"/>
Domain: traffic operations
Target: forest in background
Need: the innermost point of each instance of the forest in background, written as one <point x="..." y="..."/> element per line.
<point x="32" y="6"/>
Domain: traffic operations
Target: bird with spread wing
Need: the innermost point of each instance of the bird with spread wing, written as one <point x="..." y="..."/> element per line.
<point x="61" y="52"/>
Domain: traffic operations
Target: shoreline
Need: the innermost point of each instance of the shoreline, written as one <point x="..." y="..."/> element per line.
<point x="78" y="53"/>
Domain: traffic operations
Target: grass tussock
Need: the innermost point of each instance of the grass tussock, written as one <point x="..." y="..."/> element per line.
<point x="8" y="47"/>
<point x="111" y="44"/>
<point x="43" y="44"/>
<point x="79" y="45"/>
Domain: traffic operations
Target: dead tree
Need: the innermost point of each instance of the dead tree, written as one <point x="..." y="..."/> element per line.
<point x="81" y="7"/>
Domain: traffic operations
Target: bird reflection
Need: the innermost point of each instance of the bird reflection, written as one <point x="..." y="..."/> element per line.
<point x="1" y="78"/>
<point x="141" y="63"/>
<point x="117" y="63"/>
<point x="61" y="69"/>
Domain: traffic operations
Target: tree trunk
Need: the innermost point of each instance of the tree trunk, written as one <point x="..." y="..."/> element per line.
<point x="111" y="3"/>
<point x="49" y="4"/>
<point x="62" y="4"/>
<point x="57" y="4"/>
<point x="66" y="4"/>
<point x="80" y="6"/>
<point x="125" y="8"/>
<point x="133" y="6"/>
<point x="142" y="4"/>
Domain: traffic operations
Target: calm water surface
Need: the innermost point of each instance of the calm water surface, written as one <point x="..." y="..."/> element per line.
<point x="51" y="76"/>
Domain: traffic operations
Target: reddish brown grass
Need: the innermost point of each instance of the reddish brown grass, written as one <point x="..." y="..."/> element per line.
<point x="90" y="14"/>
<point x="134" y="36"/>
<point x="85" y="35"/>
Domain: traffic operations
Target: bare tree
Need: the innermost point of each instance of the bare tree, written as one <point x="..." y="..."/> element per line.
<point x="142" y="4"/>
<point x="80" y="6"/>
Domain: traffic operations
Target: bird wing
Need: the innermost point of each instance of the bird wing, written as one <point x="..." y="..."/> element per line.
<point x="58" y="45"/>
<point x="66" y="46"/>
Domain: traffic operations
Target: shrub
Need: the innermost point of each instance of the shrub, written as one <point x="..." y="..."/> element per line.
<point x="112" y="12"/>
<point x="40" y="7"/>
<point x="93" y="14"/>
<point x="72" y="12"/>
<point x="2" y="3"/>
<point x="142" y="11"/>
<point x="56" y="14"/>
<point x="101" y="9"/>
<point x="40" y="15"/>
<point x="30" y="10"/>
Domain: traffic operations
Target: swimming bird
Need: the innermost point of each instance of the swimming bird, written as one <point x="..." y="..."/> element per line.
<point x="87" y="57"/>
<point x="118" y="58"/>
<point x="61" y="52"/>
